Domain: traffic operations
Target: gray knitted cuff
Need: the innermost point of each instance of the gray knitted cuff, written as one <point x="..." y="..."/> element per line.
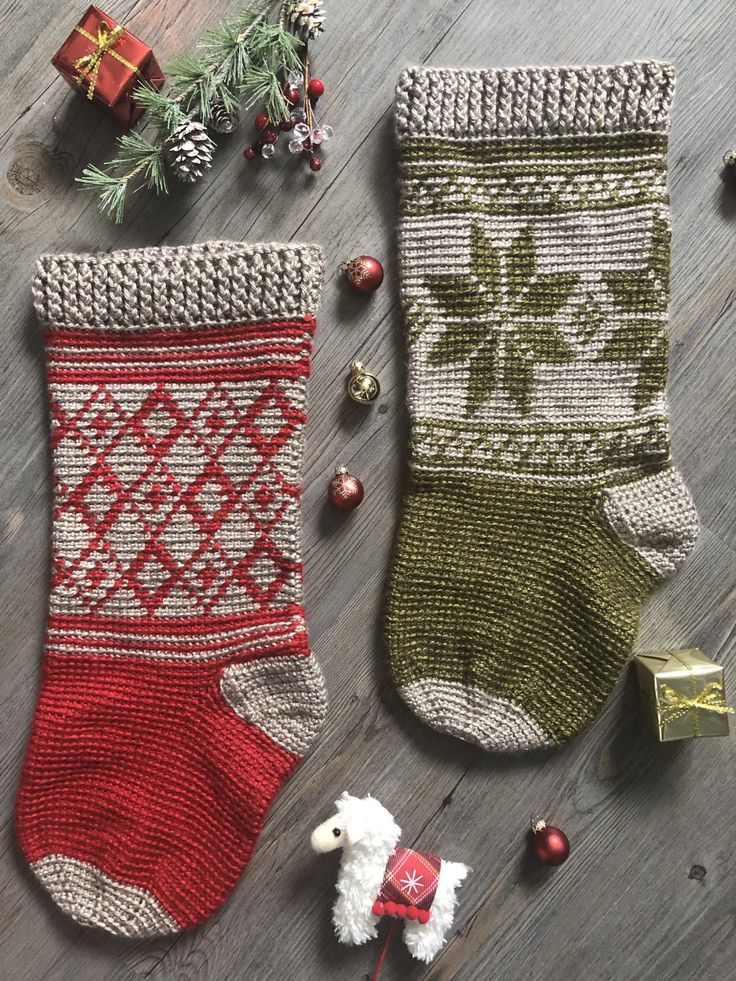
<point x="211" y="283"/>
<point x="529" y="102"/>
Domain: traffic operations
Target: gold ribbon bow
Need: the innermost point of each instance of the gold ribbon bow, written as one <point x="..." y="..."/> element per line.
<point x="88" y="65"/>
<point x="674" y="705"/>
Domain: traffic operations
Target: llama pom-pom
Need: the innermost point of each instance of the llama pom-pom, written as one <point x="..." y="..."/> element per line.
<point x="379" y="877"/>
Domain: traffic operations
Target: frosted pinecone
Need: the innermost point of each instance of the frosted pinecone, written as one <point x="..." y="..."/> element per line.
<point x="223" y="120"/>
<point x="190" y="151"/>
<point x="306" y="17"/>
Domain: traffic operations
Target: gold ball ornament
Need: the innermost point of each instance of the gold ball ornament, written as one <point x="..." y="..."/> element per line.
<point x="362" y="386"/>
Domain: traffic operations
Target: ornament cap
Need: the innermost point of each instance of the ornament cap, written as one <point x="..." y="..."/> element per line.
<point x="551" y="845"/>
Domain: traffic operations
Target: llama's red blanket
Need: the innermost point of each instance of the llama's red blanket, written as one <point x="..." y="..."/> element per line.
<point x="409" y="884"/>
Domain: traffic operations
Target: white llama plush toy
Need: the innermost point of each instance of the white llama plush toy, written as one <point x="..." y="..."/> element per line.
<point x="380" y="878"/>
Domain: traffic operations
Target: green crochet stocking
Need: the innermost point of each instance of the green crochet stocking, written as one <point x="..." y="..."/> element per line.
<point x="542" y="507"/>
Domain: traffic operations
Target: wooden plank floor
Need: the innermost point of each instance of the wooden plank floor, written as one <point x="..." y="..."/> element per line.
<point x="641" y="817"/>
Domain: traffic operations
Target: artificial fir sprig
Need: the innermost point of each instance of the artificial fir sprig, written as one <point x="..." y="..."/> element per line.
<point x="136" y="157"/>
<point x="243" y="60"/>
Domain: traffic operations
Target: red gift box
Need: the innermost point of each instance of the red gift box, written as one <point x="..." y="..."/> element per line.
<point x="105" y="62"/>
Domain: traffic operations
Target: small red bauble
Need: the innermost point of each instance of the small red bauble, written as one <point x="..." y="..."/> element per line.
<point x="292" y="96"/>
<point x="249" y="152"/>
<point x="364" y="273"/>
<point x="269" y="135"/>
<point x="262" y="120"/>
<point x="316" y="88"/>
<point x="345" y="492"/>
<point x="550" y="845"/>
<point x="286" y="124"/>
<point x="315" y="163"/>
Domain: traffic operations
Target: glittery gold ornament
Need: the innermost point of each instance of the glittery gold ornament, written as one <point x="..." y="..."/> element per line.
<point x="363" y="387"/>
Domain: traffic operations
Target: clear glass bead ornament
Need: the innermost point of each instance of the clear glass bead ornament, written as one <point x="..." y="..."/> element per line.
<point x="268" y="150"/>
<point x="327" y="132"/>
<point x="295" y="79"/>
<point x="298" y="115"/>
<point x="295" y="146"/>
<point x="301" y="131"/>
<point x="317" y="136"/>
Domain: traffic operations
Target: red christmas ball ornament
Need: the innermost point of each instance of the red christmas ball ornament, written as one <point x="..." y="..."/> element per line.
<point x="291" y="96"/>
<point x="262" y="120"/>
<point x="364" y="273"/>
<point x="345" y="490"/>
<point x="315" y="163"/>
<point x="269" y="135"/>
<point x="550" y="845"/>
<point x="286" y="124"/>
<point x="249" y="152"/>
<point x="316" y="88"/>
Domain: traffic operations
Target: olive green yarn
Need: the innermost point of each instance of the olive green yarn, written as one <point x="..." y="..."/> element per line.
<point x="515" y="588"/>
<point x="543" y="507"/>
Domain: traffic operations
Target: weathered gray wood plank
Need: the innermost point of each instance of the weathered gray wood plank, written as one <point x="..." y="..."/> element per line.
<point x="640" y="816"/>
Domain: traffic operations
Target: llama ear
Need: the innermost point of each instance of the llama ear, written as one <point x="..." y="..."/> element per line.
<point x="355" y="830"/>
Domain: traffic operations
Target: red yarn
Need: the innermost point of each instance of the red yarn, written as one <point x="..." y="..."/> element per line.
<point x="137" y="764"/>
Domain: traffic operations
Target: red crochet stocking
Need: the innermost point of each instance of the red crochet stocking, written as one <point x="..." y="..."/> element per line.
<point x="178" y="688"/>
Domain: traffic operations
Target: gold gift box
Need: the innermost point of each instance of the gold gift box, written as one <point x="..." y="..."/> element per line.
<point x="682" y="694"/>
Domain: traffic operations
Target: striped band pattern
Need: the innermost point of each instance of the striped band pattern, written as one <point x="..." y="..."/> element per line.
<point x="179" y="690"/>
<point x="535" y="253"/>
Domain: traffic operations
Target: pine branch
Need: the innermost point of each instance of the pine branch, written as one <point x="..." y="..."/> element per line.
<point x="192" y="84"/>
<point x="243" y="59"/>
<point x="111" y="190"/>
<point x="164" y="112"/>
<point x="137" y="156"/>
<point x="281" y="48"/>
<point x="226" y="43"/>
<point x="262" y="85"/>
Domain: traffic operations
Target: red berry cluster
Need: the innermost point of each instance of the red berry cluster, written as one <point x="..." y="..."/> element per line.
<point x="269" y="134"/>
<point x="270" y="131"/>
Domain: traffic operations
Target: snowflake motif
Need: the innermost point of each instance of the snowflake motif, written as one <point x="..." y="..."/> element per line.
<point x="412" y="882"/>
<point x="504" y="307"/>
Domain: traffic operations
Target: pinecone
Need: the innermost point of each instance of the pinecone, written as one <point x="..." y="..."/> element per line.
<point x="306" y="17"/>
<point x="223" y="120"/>
<point x="190" y="151"/>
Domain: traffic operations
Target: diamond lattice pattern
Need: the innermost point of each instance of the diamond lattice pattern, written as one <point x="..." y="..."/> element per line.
<point x="176" y="500"/>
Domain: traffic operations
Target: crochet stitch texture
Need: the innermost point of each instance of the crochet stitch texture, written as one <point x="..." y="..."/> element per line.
<point x="178" y="689"/>
<point x="542" y="507"/>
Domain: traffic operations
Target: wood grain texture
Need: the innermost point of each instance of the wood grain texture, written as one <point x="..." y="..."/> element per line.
<point x="639" y="816"/>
